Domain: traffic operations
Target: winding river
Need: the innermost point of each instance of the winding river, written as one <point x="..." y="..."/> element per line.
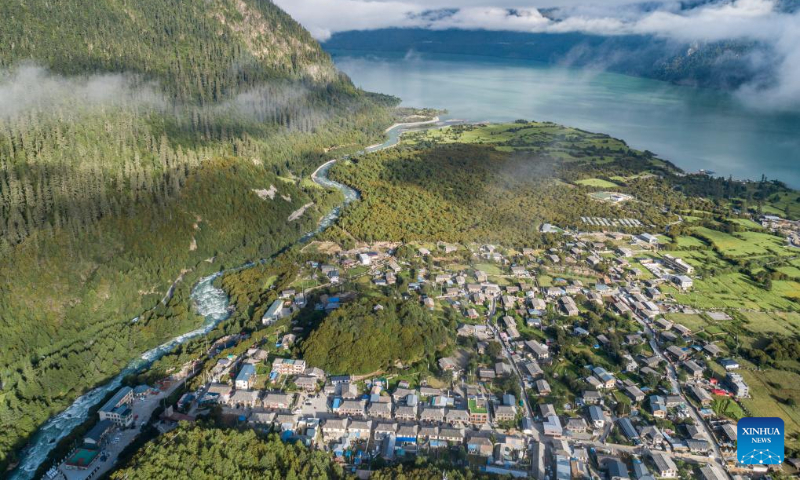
<point x="209" y="301"/>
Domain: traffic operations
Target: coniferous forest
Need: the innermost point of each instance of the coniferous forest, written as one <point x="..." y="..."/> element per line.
<point x="372" y="335"/>
<point x="209" y="453"/>
<point x="144" y="144"/>
<point x="500" y="183"/>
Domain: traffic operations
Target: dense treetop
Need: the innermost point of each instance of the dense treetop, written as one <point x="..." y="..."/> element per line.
<point x="204" y="452"/>
<point x="372" y="334"/>
<point x="138" y="157"/>
<point x="500" y="183"/>
<point x="196" y="453"/>
<point x="199" y="50"/>
<point x="493" y="184"/>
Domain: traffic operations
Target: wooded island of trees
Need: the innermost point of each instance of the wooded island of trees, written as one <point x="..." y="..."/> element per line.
<point x="373" y="334"/>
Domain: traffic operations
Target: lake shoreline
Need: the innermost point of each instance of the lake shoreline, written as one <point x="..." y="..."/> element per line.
<point x="693" y="128"/>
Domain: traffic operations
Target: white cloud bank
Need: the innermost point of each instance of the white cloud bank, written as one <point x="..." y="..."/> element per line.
<point x="749" y="20"/>
<point x="33" y="88"/>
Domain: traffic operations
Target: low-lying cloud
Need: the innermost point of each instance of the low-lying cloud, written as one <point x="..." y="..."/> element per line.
<point x="707" y="21"/>
<point x="31" y="87"/>
<point x="762" y="22"/>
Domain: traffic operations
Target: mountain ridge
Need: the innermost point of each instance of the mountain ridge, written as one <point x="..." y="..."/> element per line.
<point x="721" y="65"/>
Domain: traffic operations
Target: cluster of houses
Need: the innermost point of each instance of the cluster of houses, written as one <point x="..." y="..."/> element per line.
<point x="789" y="228"/>
<point x="345" y="416"/>
<point x="357" y="418"/>
<point x="626" y="295"/>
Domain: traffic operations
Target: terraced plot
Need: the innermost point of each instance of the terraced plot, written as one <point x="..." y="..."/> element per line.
<point x="692" y="320"/>
<point x="744" y="243"/>
<point x="746" y="223"/>
<point x="770" y="390"/>
<point x="690" y="242"/>
<point x="781" y="323"/>
<point x="790" y="271"/>
<point x="732" y="290"/>
<point x="788" y="289"/>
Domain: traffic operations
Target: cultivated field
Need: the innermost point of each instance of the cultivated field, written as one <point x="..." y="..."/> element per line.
<point x="733" y="290"/>
<point x="744" y="243"/>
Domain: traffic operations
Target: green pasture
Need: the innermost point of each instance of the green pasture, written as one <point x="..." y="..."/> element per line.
<point x="780" y="323"/>
<point x="597" y="182"/>
<point x="733" y="290"/>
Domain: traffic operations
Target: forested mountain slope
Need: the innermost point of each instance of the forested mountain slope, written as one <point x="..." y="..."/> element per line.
<point x="206" y="50"/>
<point x="142" y="142"/>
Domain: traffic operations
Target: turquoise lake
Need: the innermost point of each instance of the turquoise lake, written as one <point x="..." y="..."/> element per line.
<point x="693" y="128"/>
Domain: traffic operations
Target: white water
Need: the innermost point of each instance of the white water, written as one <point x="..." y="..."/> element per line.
<point x="209" y="301"/>
<point x="350" y="195"/>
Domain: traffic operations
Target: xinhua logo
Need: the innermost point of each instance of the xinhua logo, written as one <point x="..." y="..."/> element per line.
<point x="759" y="441"/>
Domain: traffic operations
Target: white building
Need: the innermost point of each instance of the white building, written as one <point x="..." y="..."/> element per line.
<point x="678" y="265"/>
<point x="288" y="366"/>
<point x="648" y="238"/>
<point x="682" y="281"/>
<point x="274" y="313"/>
<point x="118" y="408"/>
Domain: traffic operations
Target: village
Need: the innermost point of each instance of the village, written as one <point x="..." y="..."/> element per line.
<point x="566" y="366"/>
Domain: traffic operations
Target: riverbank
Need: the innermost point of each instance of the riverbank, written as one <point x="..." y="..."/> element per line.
<point x="411" y="124"/>
<point x="209" y="301"/>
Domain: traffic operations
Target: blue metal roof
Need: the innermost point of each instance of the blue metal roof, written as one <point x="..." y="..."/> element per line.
<point x="247" y="371"/>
